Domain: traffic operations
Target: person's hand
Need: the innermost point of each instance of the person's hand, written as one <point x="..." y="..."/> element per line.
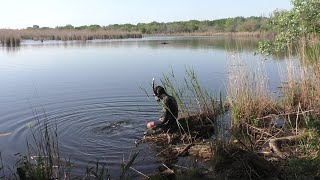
<point x="150" y="125"/>
<point x="161" y="119"/>
<point x="156" y="98"/>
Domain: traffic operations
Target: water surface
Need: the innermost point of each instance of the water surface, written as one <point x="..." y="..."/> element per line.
<point x="91" y="91"/>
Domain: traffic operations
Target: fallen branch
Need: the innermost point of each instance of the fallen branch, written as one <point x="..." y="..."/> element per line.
<point x="258" y="129"/>
<point x="285" y="114"/>
<point x="274" y="143"/>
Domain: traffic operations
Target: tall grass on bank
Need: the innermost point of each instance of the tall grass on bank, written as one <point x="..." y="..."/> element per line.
<point x="248" y="92"/>
<point x="10" y="37"/>
<point x="302" y="87"/>
<point x="260" y="114"/>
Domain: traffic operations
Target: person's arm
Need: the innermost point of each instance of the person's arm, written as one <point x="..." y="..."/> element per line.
<point x="166" y="112"/>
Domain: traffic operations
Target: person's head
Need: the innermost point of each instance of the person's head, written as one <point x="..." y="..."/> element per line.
<point x="159" y="91"/>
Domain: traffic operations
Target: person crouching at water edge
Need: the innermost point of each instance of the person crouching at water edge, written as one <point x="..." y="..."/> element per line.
<point x="167" y="121"/>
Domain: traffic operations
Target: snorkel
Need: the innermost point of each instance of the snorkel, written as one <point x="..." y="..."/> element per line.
<point x="154" y="88"/>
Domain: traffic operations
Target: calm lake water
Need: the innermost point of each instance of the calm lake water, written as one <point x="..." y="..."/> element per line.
<point x="91" y="91"/>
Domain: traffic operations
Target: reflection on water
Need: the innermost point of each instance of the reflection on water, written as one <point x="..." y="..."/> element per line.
<point x="231" y="44"/>
<point x="91" y="90"/>
<point x="223" y="43"/>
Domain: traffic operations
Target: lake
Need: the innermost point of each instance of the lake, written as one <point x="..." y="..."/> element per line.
<point x="92" y="91"/>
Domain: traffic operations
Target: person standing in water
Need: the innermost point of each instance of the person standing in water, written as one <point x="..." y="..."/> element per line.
<point x="170" y="110"/>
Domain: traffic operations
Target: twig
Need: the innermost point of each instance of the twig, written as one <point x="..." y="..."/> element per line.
<point x="170" y="170"/>
<point x="185" y="148"/>
<point x="258" y="129"/>
<point x="273" y="143"/>
<point x="140" y="173"/>
<point x="163" y="151"/>
<point x="299" y="107"/>
<point x="179" y="166"/>
<point x="285" y="114"/>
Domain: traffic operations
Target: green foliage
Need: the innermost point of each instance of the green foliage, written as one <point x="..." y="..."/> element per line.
<point x="99" y="172"/>
<point x="293" y="25"/>
<point x="127" y="166"/>
<point x="237" y="24"/>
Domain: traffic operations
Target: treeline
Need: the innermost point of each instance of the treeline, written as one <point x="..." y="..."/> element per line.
<point x="237" y="24"/>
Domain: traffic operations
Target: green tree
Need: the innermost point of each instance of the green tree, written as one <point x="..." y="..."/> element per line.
<point x="299" y="22"/>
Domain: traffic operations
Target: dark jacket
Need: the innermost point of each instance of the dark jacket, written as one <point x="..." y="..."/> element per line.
<point x="170" y="110"/>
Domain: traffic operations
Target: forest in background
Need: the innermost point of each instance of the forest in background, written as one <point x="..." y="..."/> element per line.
<point x="237" y="24"/>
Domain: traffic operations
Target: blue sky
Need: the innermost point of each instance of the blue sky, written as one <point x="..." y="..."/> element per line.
<point x="24" y="13"/>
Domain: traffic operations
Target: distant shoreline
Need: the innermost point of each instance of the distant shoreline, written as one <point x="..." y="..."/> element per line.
<point x="229" y="34"/>
<point x="10" y="37"/>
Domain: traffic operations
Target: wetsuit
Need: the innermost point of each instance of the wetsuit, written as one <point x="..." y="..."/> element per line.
<point x="170" y="112"/>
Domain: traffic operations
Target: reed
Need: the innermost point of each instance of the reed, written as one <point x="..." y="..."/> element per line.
<point x="302" y="86"/>
<point x="10" y="37"/>
<point x="248" y="92"/>
<point x="42" y="160"/>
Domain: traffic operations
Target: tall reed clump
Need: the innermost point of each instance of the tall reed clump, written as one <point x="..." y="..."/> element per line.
<point x="248" y="93"/>
<point x="302" y="88"/>
<point x="42" y="160"/>
<point x="10" y="38"/>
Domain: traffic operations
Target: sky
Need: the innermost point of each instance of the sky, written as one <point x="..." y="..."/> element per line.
<point x="52" y="13"/>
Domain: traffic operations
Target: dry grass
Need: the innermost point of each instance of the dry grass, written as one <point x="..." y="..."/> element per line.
<point x="258" y="113"/>
<point x="248" y="92"/>
<point x="10" y="37"/>
<point x="302" y="88"/>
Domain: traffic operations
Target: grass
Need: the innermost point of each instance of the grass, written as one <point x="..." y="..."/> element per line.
<point x="11" y="37"/>
<point x="248" y="92"/>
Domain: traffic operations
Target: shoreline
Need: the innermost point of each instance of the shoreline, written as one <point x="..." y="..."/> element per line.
<point x="218" y="34"/>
